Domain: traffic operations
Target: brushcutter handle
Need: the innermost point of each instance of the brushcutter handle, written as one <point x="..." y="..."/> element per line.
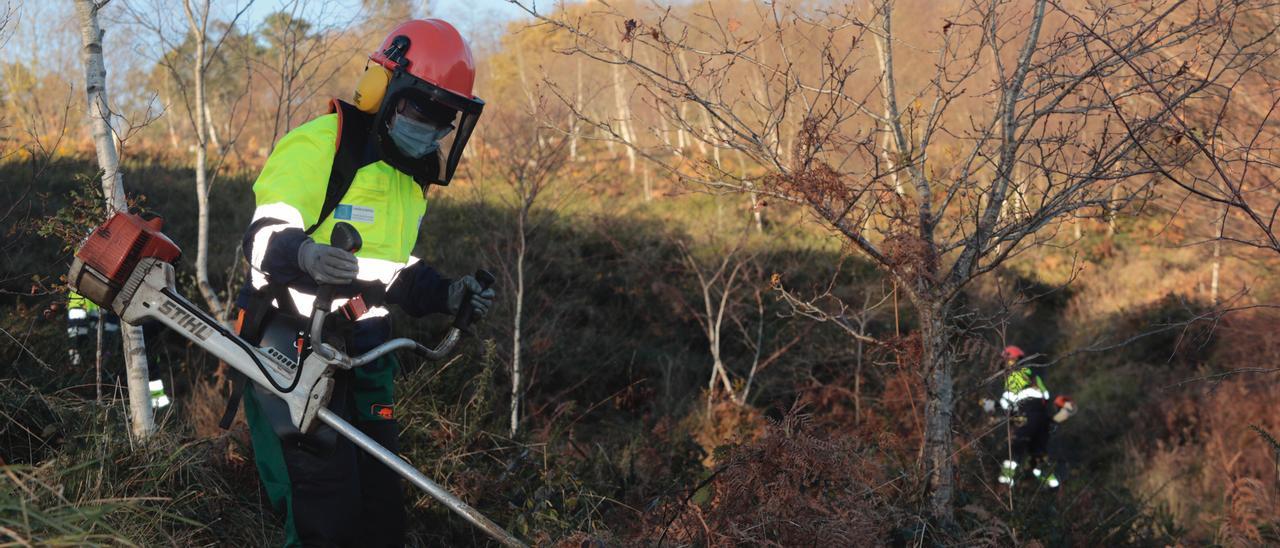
<point x="466" y="313"/>
<point x="346" y="238"/>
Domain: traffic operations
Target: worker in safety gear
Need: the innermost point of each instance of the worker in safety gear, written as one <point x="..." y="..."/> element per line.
<point x="1026" y="399"/>
<point x="82" y="320"/>
<point x="381" y="153"/>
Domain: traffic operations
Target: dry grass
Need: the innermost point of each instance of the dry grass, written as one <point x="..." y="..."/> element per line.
<point x="34" y="510"/>
<point x="1210" y="462"/>
<point x="93" y="486"/>
<point x="790" y="487"/>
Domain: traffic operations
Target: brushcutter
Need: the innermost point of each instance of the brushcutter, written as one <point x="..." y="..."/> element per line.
<point x="127" y="265"/>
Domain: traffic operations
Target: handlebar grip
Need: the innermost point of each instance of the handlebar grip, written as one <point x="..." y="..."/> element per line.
<point x="346" y="238"/>
<point x="465" y="313"/>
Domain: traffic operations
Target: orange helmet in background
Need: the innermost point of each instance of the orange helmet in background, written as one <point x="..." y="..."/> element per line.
<point x="425" y="61"/>
<point x="1066" y="408"/>
<point x="1012" y="352"/>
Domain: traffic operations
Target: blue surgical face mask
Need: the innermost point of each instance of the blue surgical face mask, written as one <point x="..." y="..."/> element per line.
<point x="414" y="138"/>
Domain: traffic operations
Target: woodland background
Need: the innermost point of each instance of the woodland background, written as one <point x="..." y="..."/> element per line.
<point x="756" y="263"/>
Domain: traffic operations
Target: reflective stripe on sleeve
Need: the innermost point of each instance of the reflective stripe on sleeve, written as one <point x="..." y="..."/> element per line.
<point x="1009" y="398"/>
<point x="371" y="270"/>
<point x="281" y="211"/>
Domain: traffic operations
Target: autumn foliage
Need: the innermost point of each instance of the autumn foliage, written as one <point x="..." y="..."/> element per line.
<point x="731" y="273"/>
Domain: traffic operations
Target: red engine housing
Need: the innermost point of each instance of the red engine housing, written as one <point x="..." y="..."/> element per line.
<point x="106" y="260"/>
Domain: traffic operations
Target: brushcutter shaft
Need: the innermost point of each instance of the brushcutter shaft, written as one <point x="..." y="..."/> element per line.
<point x="417" y="478"/>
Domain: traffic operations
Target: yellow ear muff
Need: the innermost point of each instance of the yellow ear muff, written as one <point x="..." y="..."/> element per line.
<point x="371" y="88"/>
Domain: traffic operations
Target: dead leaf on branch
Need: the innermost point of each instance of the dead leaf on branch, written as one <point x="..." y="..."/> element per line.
<point x="629" y="29"/>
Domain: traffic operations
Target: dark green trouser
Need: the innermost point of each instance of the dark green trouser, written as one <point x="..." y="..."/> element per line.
<point x="331" y="492"/>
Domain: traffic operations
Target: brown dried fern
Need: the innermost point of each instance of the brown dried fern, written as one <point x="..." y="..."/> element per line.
<point x="788" y="488"/>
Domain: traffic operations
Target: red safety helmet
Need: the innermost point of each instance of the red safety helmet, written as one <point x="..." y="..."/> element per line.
<point x="1012" y="352"/>
<point x="427" y="62"/>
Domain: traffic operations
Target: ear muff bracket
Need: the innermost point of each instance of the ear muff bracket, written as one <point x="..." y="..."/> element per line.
<point x="373" y="84"/>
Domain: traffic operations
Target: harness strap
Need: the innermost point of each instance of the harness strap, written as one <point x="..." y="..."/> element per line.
<point x="249" y="325"/>
<point x="353" y="130"/>
<point x="238" y="382"/>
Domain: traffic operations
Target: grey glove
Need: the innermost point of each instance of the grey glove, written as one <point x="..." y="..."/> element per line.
<point x="327" y="264"/>
<point x="481" y="298"/>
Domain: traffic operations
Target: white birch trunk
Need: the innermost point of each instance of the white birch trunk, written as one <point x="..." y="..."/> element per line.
<point x="888" y="151"/>
<point x="714" y="325"/>
<point x="681" y="139"/>
<point x="624" y="117"/>
<point x="168" y="122"/>
<point x="141" y="421"/>
<point x="699" y="142"/>
<point x="711" y="132"/>
<point x="718" y="370"/>
<point x="1217" y="266"/>
<point x="645" y="186"/>
<point x="515" y="334"/>
<point x="201" y="164"/>
<point x="1112" y="211"/>
<point x="1217" y="257"/>
<point x="574" y="123"/>
<point x="213" y="128"/>
<point x="97" y="357"/>
<point x="757" y="207"/>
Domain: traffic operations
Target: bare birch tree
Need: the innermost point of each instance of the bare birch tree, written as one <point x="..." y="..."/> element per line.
<point x="142" y="423"/>
<point x="731" y="310"/>
<point x="717" y="285"/>
<point x="198" y="21"/>
<point x="622" y="106"/>
<point x="1021" y="99"/>
<point x="198" y="18"/>
<point x="528" y="158"/>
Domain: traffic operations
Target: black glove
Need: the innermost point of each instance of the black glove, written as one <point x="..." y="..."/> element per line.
<point x="327" y="264"/>
<point x="481" y="298"/>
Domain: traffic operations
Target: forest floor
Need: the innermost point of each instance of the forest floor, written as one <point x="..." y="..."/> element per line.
<point x="621" y="441"/>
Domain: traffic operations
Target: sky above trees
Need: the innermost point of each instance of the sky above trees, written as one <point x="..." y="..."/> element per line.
<point x="42" y="30"/>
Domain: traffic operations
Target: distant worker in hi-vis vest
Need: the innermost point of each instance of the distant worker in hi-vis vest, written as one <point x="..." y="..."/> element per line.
<point x="82" y="321"/>
<point x="1027" y="401"/>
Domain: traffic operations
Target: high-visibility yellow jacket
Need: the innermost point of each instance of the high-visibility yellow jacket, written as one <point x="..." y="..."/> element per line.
<point x="385" y="205"/>
<point x="1022" y="384"/>
<point x="76" y="300"/>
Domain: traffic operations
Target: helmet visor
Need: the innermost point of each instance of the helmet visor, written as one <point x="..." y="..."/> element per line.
<point x="440" y="107"/>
